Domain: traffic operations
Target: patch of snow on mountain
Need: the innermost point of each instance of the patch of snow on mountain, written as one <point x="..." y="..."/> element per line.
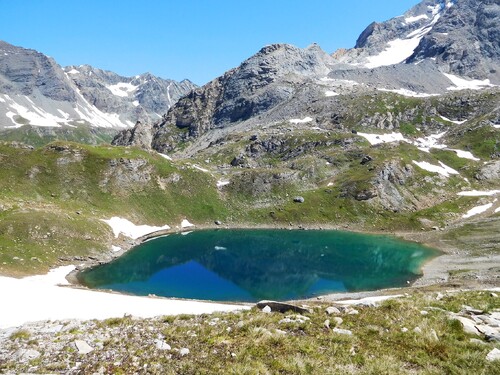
<point x="496" y="126"/>
<point x="477" y="210"/>
<point x="375" y="139"/>
<point x="186" y="224"/>
<point x="165" y="156"/>
<point x="122" y="89"/>
<point x="222" y="183"/>
<point x="453" y="121"/>
<point x="441" y="169"/>
<point x="463" y="84"/>
<point x="397" y="51"/>
<point x="465" y="155"/>
<point x="35" y="115"/>
<point x="305" y="120"/>
<point x="431" y="141"/>
<point x="497" y="210"/>
<point x="330" y="94"/>
<point x="73" y="71"/>
<point x="409" y="93"/>
<point x="478" y="193"/>
<point x="129" y="229"/>
<point x="2" y="100"/>
<point x="416" y="18"/>
<point x="135" y="103"/>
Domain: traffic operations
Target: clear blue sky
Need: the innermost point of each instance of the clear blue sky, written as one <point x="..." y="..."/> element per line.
<point x="194" y="39"/>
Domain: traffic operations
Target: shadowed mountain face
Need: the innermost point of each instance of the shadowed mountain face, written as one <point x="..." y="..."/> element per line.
<point x="36" y="91"/>
<point x="435" y="47"/>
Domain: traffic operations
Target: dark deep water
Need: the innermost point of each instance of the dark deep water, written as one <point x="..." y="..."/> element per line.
<point x="251" y="265"/>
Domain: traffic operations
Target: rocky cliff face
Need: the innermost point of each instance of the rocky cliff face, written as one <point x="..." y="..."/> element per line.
<point x="465" y="40"/>
<point x="35" y="91"/>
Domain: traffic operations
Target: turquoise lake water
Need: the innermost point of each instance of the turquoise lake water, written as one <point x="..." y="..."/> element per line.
<point x="251" y="265"/>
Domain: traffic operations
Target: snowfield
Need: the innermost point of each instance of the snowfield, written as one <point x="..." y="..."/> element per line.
<point x="129" y="229"/>
<point x="38" y="298"/>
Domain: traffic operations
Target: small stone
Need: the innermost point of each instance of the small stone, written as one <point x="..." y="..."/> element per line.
<point x="27" y="354"/>
<point x="338" y="320"/>
<point x="266" y="309"/>
<point x="332" y="310"/>
<point x="494" y="355"/>
<point x="417" y="330"/>
<point x="218" y="222"/>
<point x="83" y="347"/>
<point x="299" y="199"/>
<point x="162" y="345"/>
<point x="342" y="331"/>
<point x="326" y="324"/>
<point x="434" y="335"/>
<point x="494" y="295"/>
<point x="404" y="329"/>
<point x="477" y="341"/>
<point x="439" y="296"/>
<point x="352" y="312"/>
<point x="352" y="351"/>
<point x="424" y="313"/>
<point x="184" y="351"/>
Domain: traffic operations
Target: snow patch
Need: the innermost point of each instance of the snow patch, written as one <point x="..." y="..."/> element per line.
<point x="57" y="303"/>
<point x="129" y="229"/>
<point x="497" y="210"/>
<point x="453" y="121"/>
<point x="116" y="249"/>
<point x="222" y="183"/>
<point x="375" y="139"/>
<point x="35" y="115"/>
<point x="122" y="89"/>
<point x="165" y="156"/>
<point x="463" y="84"/>
<point x="416" y="18"/>
<point x="477" y="210"/>
<point x="330" y="94"/>
<point x="465" y="155"/>
<point x="186" y="224"/>
<point x="135" y="103"/>
<point x="441" y="169"/>
<point x="200" y="168"/>
<point x="478" y="193"/>
<point x="305" y="120"/>
<point x="397" y="51"/>
<point x="73" y="71"/>
<point x="409" y="93"/>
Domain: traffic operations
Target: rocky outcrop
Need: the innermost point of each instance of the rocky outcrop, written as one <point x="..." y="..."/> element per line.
<point x="259" y="84"/>
<point x="465" y="40"/>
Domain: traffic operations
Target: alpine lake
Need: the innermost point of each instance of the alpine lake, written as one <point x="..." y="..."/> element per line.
<point x="251" y="265"/>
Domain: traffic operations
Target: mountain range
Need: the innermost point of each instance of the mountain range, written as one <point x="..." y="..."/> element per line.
<point x="36" y="91"/>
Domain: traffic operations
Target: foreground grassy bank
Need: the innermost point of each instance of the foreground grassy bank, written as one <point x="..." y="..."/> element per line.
<point x="415" y="334"/>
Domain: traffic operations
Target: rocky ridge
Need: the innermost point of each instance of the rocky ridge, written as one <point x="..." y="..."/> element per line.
<point x="36" y="91"/>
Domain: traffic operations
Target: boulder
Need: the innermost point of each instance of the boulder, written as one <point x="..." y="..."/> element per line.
<point x="282" y="307"/>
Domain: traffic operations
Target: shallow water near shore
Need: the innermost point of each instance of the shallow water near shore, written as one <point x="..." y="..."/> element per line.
<point x="251" y="265"/>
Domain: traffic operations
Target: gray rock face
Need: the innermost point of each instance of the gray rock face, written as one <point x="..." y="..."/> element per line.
<point x="256" y="86"/>
<point x="465" y="40"/>
<point x="23" y="70"/>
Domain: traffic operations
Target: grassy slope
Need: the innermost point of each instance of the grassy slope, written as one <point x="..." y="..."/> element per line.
<point x="253" y="342"/>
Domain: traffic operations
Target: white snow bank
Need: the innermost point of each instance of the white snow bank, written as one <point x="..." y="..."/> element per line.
<point x="186" y="224"/>
<point x="477" y="210"/>
<point x="432" y="141"/>
<point x="409" y="93"/>
<point x="165" y="156"/>
<point x="441" y="169"/>
<point x="330" y="94"/>
<point x="453" y="121"/>
<point x="397" y="51"/>
<point x="416" y="18"/>
<point x="129" y="229"/>
<point x="222" y="183"/>
<point x="200" y="168"/>
<point x="39" y="298"/>
<point x="478" y="193"/>
<point x="368" y="301"/>
<point x="122" y="89"/>
<point x="463" y="84"/>
<point x="34" y="114"/>
<point x="375" y="139"/>
<point x="73" y="71"/>
<point x="465" y="154"/>
<point x="300" y="121"/>
<point x="497" y="210"/>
